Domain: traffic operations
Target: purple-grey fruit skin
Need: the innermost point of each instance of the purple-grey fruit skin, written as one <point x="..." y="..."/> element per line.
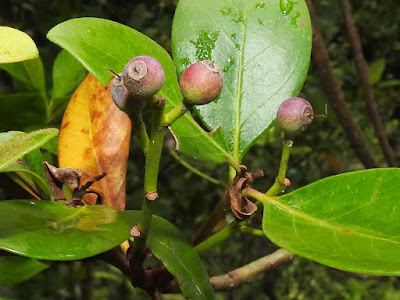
<point x="294" y="115"/>
<point x="122" y="98"/>
<point x="201" y="83"/>
<point x="119" y="93"/>
<point x="143" y="76"/>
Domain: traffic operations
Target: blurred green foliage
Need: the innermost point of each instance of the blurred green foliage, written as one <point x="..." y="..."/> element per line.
<point x="321" y="151"/>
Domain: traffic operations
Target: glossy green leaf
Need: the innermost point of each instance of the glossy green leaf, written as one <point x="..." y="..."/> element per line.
<point x="27" y="109"/>
<point x="67" y="74"/>
<point x="169" y="245"/>
<point x="16" y="45"/>
<point x="30" y="174"/>
<point x="349" y="221"/>
<point x="194" y="141"/>
<point x="20" y="111"/>
<point x="263" y="49"/>
<point x="31" y="73"/>
<point x="27" y="177"/>
<point x="93" y="42"/>
<point x="34" y="162"/>
<point x="15" y="269"/>
<point x="17" y="147"/>
<point x="52" y="231"/>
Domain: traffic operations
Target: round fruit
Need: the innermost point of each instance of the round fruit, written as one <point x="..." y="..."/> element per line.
<point x="143" y="76"/>
<point x="201" y="82"/>
<point x="124" y="100"/>
<point x="294" y="115"/>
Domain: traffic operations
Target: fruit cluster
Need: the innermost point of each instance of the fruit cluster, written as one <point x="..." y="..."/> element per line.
<point x="143" y="76"/>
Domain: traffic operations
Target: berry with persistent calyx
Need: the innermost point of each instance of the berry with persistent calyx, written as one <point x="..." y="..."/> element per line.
<point x="201" y="82"/>
<point x="143" y="76"/>
<point x="294" y="115"/>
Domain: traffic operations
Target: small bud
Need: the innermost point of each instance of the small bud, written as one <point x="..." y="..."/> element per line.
<point x="201" y="82"/>
<point x="294" y="115"/>
<point x="143" y="76"/>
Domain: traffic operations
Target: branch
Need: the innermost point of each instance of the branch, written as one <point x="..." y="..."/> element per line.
<point x="336" y="97"/>
<point x="215" y="215"/>
<point x="248" y="272"/>
<point x="362" y="71"/>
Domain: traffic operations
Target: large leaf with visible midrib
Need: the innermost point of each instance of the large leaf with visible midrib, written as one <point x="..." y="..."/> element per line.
<point x="349" y="221"/>
<point x="263" y="48"/>
<point x="169" y="245"/>
<point x="52" y="231"/>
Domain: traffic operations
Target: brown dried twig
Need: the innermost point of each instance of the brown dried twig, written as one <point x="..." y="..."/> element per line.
<point x="335" y="95"/>
<point x="363" y="75"/>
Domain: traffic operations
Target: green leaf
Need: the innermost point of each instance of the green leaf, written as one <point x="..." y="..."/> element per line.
<point x="17" y="147"/>
<point x="16" y="46"/>
<point x="5" y="136"/>
<point x="31" y="175"/>
<point x="15" y="269"/>
<point x="34" y="162"/>
<point x="29" y="178"/>
<point x="29" y="72"/>
<point x="197" y="143"/>
<point x="53" y="231"/>
<point x="67" y="73"/>
<point x="263" y="48"/>
<point x="169" y="245"/>
<point x="19" y="111"/>
<point x="349" y="221"/>
<point x="375" y="70"/>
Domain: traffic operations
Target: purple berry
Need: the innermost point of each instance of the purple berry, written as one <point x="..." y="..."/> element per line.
<point x="143" y="76"/>
<point x="201" y="82"/>
<point x="119" y="92"/>
<point x="294" y="115"/>
<point x="121" y="96"/>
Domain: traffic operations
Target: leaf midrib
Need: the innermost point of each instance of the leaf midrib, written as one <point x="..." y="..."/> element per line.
<point x="300" y="215"/>
<point x="239" y="91"/>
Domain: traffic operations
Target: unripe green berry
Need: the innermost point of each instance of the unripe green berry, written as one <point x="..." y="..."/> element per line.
<point x="201" y="83"/>
<point x="294" y="115"/>
<point x="143" y="76"/>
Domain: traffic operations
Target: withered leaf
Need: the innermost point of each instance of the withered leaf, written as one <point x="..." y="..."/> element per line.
<point x="58" y="176"/>
<point x="94" y="138"/>
<point x="242" y="207"/>
<point x="69" y="176"/>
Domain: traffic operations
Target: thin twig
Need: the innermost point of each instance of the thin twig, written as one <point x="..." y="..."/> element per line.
<point x="362" y="71"/>
<point x="335" y="96"/>
<point x="215" y="215"/>
<point x="251" y="270"/>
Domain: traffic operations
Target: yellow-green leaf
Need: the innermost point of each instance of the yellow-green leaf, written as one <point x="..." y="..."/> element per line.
<point x="16" y="46"/>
